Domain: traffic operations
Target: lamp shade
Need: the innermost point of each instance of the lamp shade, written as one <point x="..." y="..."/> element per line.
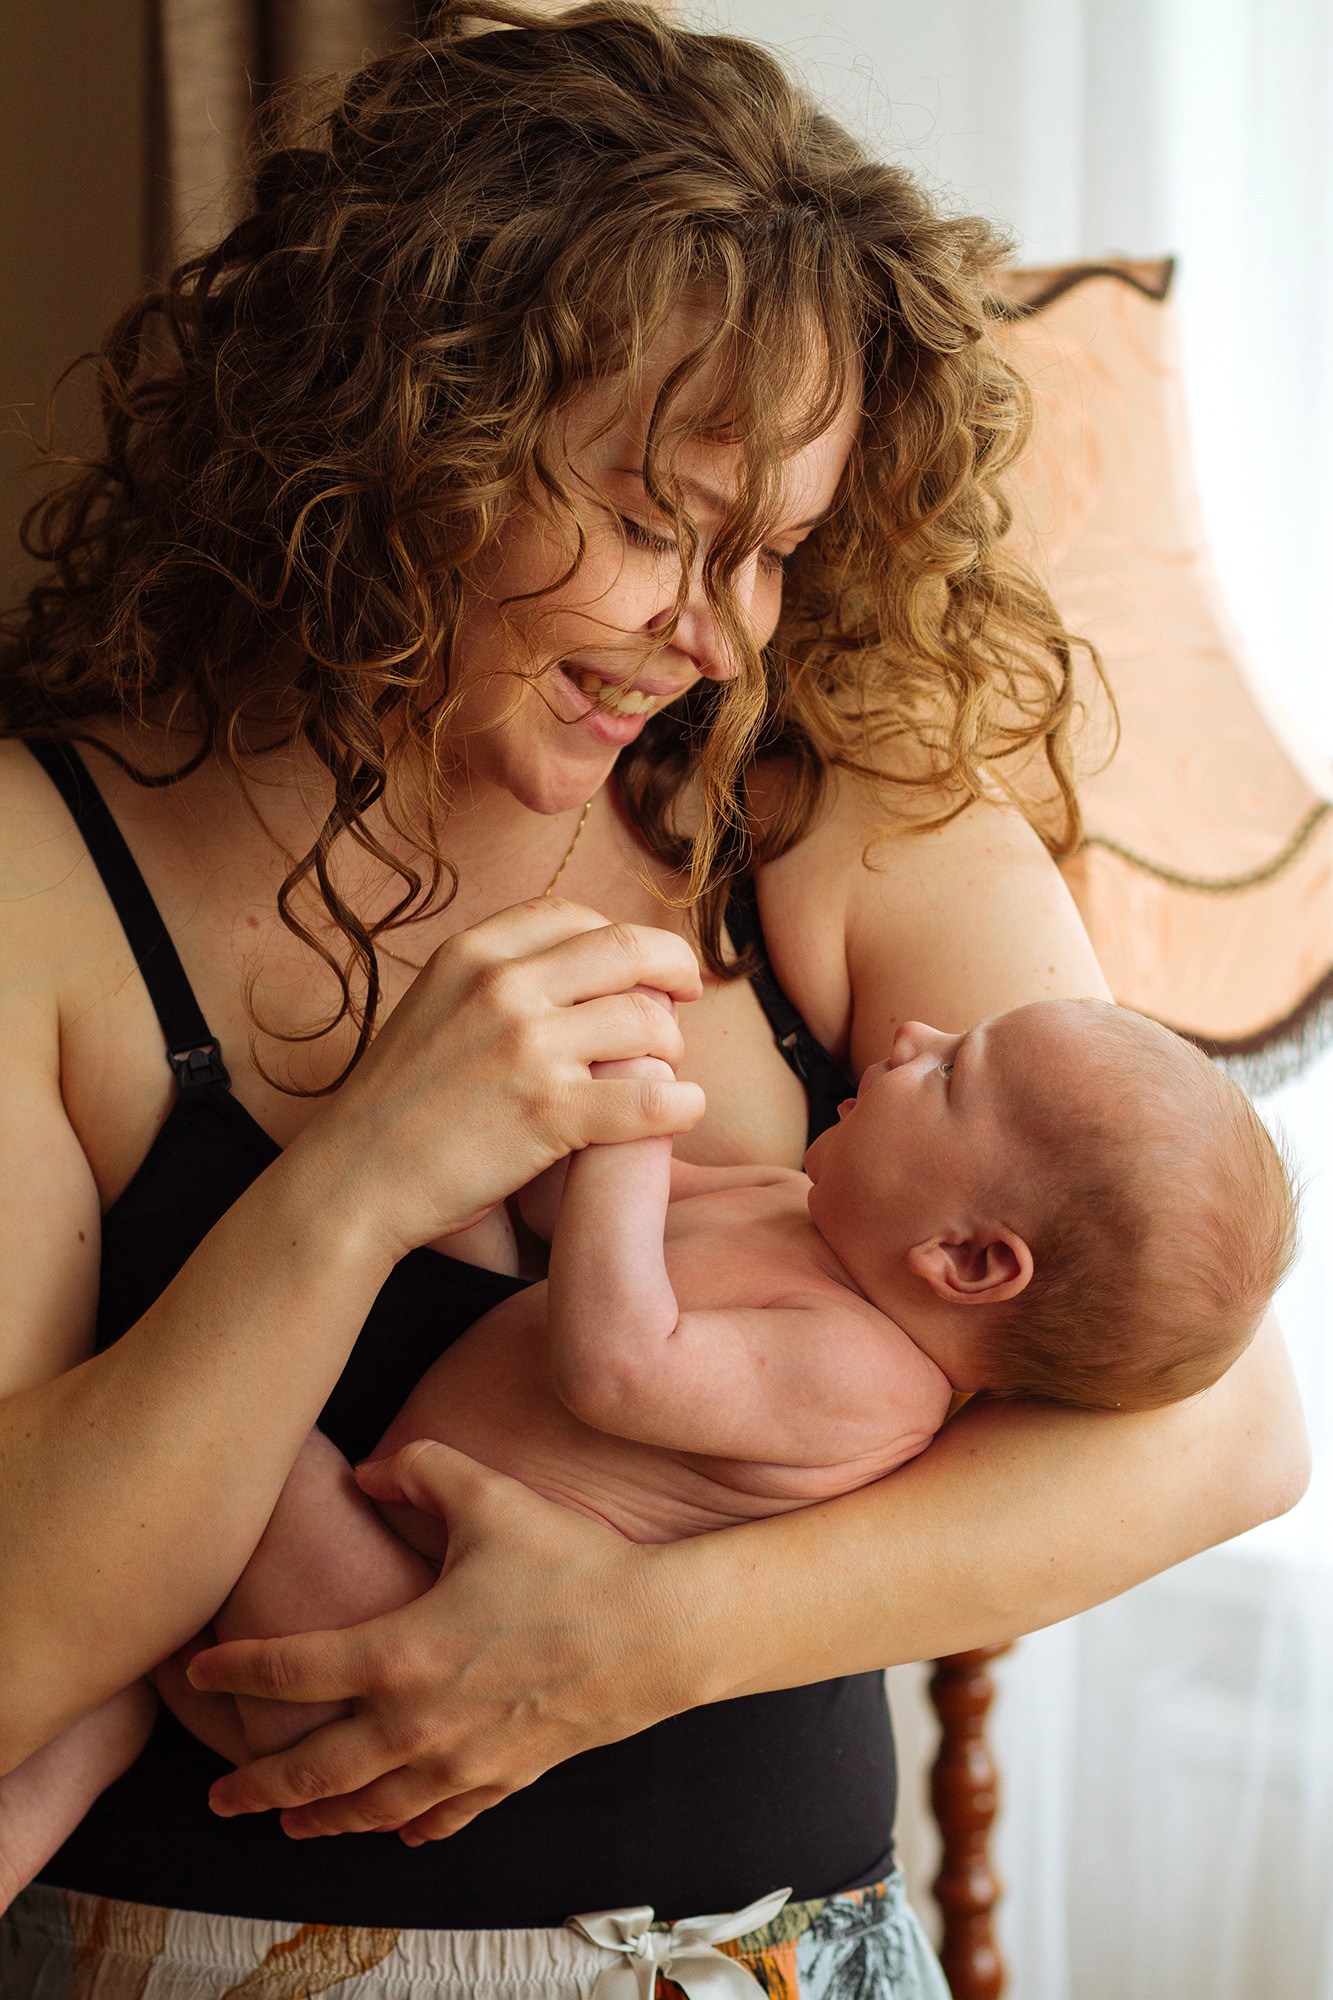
<point x="1205" y="876"/>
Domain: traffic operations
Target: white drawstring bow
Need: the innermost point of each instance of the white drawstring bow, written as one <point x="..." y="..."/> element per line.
<point x="684" y="1951"/>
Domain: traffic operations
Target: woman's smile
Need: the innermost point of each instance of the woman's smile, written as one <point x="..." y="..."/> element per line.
<point x="611" y="711"/>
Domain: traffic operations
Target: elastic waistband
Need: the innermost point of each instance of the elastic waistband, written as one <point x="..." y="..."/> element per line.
<point x="59" y="1944"/>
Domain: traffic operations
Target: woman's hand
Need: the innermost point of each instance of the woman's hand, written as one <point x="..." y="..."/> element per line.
<point x="481" y="1077"/>
<point x="547" y="1633"/>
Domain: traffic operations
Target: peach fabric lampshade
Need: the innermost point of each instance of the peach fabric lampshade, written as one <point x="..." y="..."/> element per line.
<point x="1206" y="873"/>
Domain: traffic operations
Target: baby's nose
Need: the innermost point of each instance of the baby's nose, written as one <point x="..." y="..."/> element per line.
<point x="913" y="1039"/>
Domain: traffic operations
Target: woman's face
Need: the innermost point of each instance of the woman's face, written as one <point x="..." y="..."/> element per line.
<point x="595" y="650"/>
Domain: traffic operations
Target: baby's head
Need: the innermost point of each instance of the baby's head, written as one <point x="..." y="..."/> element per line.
<point x="1068" y="1201"/>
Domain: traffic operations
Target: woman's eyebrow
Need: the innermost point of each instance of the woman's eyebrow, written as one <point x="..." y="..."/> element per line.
<point x="718" y="504"/>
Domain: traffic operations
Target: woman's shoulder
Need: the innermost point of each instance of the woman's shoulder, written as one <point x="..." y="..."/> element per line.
<point x="48" y="1194"/>
<point x="40" y="855"/>
<point x="877" y="915"/>
<point x="72" y="1013"/>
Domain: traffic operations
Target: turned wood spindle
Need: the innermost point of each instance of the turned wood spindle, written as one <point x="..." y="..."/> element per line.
<point x="964" y="1787"/>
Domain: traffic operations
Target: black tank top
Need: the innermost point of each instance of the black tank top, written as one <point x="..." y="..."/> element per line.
<point x="703" y="1812"/>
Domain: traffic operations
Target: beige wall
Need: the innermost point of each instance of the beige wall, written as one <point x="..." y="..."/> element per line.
<point x="72" y="210"/>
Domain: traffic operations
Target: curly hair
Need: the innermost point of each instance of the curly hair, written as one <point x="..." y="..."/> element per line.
<point x="313" y="429"/>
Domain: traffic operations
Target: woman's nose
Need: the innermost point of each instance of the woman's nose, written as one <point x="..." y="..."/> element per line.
<point x="699" y="632"/>
<point x="699" y="635"/>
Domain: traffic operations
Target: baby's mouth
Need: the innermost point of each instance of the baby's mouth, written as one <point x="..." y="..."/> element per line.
<point x="611" y="695"/>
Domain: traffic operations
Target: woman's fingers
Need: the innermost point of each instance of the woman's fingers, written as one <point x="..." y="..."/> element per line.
<point x="450" y="1817"/>
<point x="307" y="1666"/>
<point x="545" y="1634"/>
<point x="338" y="1760"/>
<point x="431" y="1476"/>
<point x="627" y="1024"/>
<point x="611" y="958"/>
<point x="479" y="1079"/>
<point x="381" y="1806"/>
<point x="213" y="1718"/>
<point x="396" y="1799"/>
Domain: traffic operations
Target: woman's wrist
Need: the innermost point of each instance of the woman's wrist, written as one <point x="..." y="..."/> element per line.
<point x="335" y="1202"/>
<point x="691" y="1587"/>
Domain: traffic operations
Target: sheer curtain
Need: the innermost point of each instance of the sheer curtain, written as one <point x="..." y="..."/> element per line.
<point x="1167" y="1829"/>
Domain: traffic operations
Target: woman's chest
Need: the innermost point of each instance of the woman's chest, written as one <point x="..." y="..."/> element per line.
<point x="261" y="992"/>
<point x="757" y="1107"/>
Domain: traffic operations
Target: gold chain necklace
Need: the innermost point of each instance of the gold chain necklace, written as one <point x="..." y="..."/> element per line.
<point x="583" y="820"/>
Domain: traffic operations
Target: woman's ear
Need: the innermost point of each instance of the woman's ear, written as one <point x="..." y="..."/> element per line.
<point x="984" y="1269"/>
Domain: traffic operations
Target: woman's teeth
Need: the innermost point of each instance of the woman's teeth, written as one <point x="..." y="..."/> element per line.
<point x="621" y="700"/>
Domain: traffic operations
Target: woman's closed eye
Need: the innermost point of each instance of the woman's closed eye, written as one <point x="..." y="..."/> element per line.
<point x="640" y="537"/>
<point x="644" y="538"/>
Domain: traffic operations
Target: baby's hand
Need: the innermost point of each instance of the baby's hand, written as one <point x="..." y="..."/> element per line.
<point x="490" y="1242"/>
<point x="539" y="1202"/>
<point x="635" y="1066"/>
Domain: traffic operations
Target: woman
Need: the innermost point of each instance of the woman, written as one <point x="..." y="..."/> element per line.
<point x="578" y="469"/>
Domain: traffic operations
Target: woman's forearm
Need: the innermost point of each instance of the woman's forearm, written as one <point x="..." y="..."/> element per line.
<point x="1017" y="1516"/>
<point x="143" y="1478"/>
<point x="1014" y="1517"/>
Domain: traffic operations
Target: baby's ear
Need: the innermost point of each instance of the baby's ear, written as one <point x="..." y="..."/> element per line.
<point x="984" y="1269"/>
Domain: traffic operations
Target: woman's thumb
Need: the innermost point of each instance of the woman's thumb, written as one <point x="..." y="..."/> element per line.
<point x="433" y="1477"/>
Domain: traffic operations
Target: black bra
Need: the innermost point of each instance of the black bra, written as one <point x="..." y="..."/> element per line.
<point x="704" y="1812"/>
<point x="194" y="1053"/>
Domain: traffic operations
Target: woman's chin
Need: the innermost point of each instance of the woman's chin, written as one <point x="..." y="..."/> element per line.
<point x="548" y="782"/>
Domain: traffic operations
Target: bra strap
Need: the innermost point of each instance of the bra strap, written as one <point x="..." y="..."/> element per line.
<point x="826" y="1084"/>
<point x="801" y="1051"/>
<point x="192" y="1051"/>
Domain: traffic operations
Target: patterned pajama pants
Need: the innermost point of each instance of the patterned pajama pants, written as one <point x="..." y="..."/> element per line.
<point x="56" y="1944"/>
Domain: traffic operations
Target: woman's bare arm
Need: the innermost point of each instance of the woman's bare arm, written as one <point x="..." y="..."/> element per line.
<point x="1014" y="1518"/>
<point x="1017" y="1515"/>
<point x="135" y="1484"/>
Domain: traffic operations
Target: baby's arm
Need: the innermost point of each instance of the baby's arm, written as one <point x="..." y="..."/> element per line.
<point x="43" y="1799"/>
<point x="325" y="1560"/>
<point x="807" y="1378"/>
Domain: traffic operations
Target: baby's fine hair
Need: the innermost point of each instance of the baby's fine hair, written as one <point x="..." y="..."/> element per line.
<point x="1168" y="1218"/>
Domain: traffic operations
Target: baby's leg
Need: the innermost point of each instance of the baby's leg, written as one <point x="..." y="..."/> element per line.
<point x="43" y="1799"/>
<point x="325" y="1560"/>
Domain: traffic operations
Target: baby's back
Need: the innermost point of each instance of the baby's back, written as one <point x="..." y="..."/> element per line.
<point x="735" y="1249"/>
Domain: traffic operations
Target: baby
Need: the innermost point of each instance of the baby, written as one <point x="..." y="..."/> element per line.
<point x="1066" y="1202"/>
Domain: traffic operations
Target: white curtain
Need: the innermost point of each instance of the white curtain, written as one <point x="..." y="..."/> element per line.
<point x="1167" y="1831"/>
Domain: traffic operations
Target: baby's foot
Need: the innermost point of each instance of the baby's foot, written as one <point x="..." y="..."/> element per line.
<point x="45" y="1797"/>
